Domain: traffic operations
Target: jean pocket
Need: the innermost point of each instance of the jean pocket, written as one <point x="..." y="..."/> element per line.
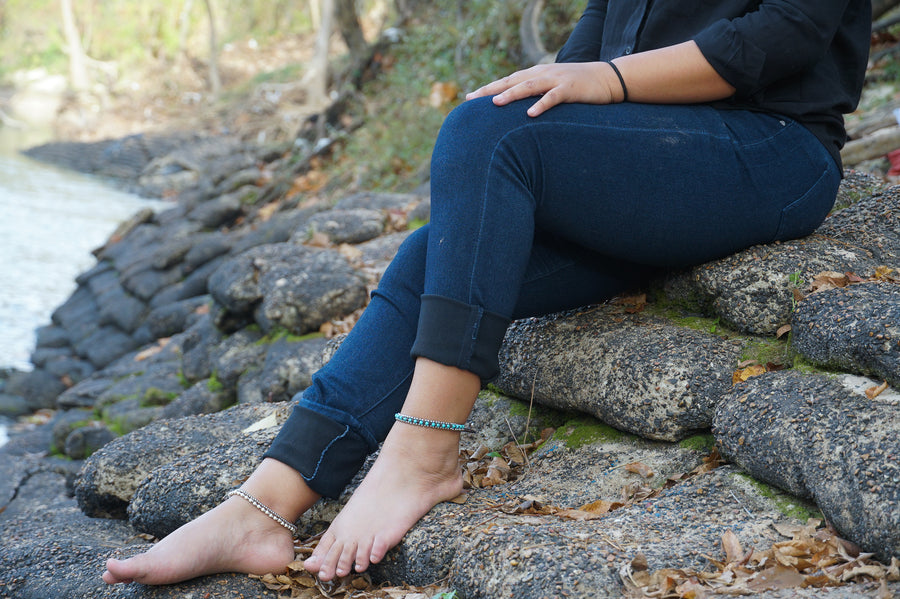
<point x="804" y="215"/>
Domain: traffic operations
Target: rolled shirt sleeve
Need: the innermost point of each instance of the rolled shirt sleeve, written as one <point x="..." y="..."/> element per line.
<point x="778" y="39"/>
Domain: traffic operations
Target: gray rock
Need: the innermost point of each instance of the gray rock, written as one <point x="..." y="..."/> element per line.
<point x="105" y="345"/>
<point x="278" y="229"/>
<point x="174" y="494"/>
<point x="752" y="290"/>
<point x="85" y="440"/>
<point x="52" y="336"/>
<point x="855" y="328"/>
<point x="208" y="246"/>
<point x="288" y="369"/>
<point x="290" y="286"/>
<point x="42" y="355"/>
<point x="66" y="421"/>
<point x="77" y="316"/>
<point x="110" y="476"/>
<point x="373" y="200"/>
<point x="378" y="253"/>
<point x="235" y="354"/>
<point x="147" y="282"/>
<point x="39" y="388"/>
<point x="13" y="405"/>
<point x="203" y="398"/>
<point x="344" y="226"/>
<point x="172" y="318"/>
<point x="198" y="344"/>
<point x="194" y="285"/>
<point x="814" y="437"/>
<point x="120" y="308"/>
<point x="870" y="223"/>
<point x="73" y="369"/>
<point x="635" y="372"/>
<point x="218" y="212"/>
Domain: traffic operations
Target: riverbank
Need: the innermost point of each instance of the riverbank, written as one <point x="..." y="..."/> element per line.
<point x="183" y="316"/>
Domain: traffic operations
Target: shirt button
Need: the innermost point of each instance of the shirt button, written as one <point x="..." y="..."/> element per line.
<point x="627" y="49"/>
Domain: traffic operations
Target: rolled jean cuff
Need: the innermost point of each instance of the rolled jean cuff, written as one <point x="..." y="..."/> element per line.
<point x="457" y="334"/>
<point x="326" y="453"/>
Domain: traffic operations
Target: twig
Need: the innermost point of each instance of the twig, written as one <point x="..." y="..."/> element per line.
<point x="741" y="504"/>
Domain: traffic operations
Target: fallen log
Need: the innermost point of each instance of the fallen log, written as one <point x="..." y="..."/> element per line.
<point x="871" y="146"/>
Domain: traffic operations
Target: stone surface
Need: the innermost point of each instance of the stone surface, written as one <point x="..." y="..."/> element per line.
<point x="814" y="437"/>
<point x="111" y="475"/>
<point x="289" y="286"/>
<point x="345" y="226"/>
<point x="638" y="373"/>
<point x="854" y="328"/>
<point x="752" y="290"/>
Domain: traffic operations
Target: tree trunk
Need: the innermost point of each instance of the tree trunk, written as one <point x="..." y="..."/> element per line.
<point x="317" y="77"/>
<point x="215" y="83"/>
<point x="184" y="28"/>
<point x="78" y="75"/>
<point x="351" y="32"/>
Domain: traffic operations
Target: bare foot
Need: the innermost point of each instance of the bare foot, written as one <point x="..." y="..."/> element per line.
<point x="417" y="469"/>
<point x="232" y="537"/>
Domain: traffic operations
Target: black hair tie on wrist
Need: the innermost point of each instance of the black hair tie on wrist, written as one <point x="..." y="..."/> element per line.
<point x="621" y="80"/>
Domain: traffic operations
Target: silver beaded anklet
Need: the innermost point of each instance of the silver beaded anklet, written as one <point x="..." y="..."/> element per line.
<point x="445" y="426"/>
<point x="263" y="508"/>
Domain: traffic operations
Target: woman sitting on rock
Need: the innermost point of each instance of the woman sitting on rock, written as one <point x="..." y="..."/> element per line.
<point x="669" y="133"/>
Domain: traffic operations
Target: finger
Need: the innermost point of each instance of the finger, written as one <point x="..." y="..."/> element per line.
<point x="551" y="98"/>
<point x="501" y="85"/>
<point x="526" y="89"/>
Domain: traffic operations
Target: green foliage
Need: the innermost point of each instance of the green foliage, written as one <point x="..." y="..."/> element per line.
<point x="157" y="397"/>
<point x="585" y="430"/>
<point x="702" y="443"/>
<point x="214" y="384"/>
<point x="467" y="44"/>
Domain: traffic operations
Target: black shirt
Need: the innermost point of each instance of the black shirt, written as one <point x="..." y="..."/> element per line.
<point x="804" y="59"/>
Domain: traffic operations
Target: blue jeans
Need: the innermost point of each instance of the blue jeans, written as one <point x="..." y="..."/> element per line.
<point x="535" y="215"/>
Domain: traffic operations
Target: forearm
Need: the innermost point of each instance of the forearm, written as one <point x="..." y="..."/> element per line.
<point x="678" y="74"/>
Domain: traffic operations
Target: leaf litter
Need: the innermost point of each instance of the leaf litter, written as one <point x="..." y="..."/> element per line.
<point x="815" y="556"/>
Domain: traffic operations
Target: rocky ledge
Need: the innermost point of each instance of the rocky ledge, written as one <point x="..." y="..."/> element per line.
<point x="164" y="377"/>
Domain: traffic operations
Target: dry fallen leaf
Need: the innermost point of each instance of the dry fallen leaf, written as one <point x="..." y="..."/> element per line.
<point x="743" y="374"/>
<point x="873" y="392"/>
<point x="639" y="468"/>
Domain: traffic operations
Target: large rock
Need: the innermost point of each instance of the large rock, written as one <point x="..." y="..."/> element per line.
<point x="753" y="289"/>
<point x="180" y="491"/>
<point x="110" y="476"/>
<point x="288" y="369"/>
<point x="345" y="226"/>
<point x="873" y="223"/>
<point x="638" y="373"/>
<point x="815" y="437"/>
<point x="854" y="328"/>
<point x="290" y="286"/>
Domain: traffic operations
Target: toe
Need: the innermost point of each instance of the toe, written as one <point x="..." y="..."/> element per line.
<point x="345" y="561"/>
<point x="330" y="561"/>
<point x="363" y="551"/>
<point x="314" y="562"/>
<point x="379" y="548"/>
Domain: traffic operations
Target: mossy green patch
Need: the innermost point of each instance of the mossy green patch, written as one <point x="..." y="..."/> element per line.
<point x="765" y="350"/>
<point x="703" y="443"/>
<point x="585" y="430"/>
<point x="688" y="319"/>
<point x="182" y="380"/>
<point x="214" y="384"/>
<point x="157" y="397"/>
<point x="284" y="334"/>
<point x="788" y="505"/>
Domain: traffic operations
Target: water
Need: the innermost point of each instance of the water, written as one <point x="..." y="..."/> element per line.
<point x="50" y="220"/>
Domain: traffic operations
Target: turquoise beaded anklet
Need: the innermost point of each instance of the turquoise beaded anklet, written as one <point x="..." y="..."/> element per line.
<point x="445" y="426"/>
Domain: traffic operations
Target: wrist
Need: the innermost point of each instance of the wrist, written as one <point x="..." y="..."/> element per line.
<point x="619" y="91"/>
